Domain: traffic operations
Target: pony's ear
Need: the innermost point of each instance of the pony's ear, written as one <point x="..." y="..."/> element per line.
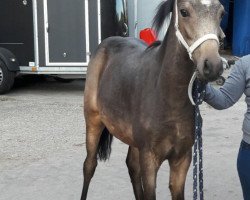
<point x="221" y="34"/>
<point x="163" y="10"/>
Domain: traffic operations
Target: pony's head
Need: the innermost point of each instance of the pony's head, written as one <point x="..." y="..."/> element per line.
<point x="197" y="26"/>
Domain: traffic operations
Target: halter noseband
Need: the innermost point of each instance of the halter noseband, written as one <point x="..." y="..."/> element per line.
<point x="197" y="43"/>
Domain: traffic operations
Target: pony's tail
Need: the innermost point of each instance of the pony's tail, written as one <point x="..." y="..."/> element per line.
<point x="104" y="146"/>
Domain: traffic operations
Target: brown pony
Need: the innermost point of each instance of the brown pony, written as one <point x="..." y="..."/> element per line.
<point x="139" y="94"/>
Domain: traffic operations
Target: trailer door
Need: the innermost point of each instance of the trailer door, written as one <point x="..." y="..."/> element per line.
<point x="66" y="32"/>
<point x="16" y="30"/>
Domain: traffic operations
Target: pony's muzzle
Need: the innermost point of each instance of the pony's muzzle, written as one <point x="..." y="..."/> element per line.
<point x="212" y="69"/>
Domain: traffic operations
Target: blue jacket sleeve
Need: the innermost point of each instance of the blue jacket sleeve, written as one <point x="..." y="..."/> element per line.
<point x="231" y="91"/>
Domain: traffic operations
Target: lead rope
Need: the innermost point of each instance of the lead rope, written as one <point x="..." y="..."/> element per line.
<point x="198" y="96"/>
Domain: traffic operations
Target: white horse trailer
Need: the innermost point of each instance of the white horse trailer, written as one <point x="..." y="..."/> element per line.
<point x="55" y="37"/>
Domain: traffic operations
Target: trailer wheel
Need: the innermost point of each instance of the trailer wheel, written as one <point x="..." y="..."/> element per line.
<point x="63" y="80"/>
<point x="6" y="78"/>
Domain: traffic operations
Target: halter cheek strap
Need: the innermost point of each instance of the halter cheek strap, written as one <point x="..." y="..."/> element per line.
<point x="196" y="44"/>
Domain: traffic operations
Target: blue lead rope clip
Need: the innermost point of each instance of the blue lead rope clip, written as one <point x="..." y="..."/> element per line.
<point x="198" y="94"/>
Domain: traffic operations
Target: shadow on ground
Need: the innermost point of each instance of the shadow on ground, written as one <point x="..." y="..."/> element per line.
<point x="35" y="83"/>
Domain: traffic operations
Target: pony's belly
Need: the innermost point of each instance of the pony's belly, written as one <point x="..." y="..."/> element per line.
<point x="120" y="129"/>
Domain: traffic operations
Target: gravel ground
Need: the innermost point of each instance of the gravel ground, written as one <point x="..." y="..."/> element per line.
<point x="42" y="149"/>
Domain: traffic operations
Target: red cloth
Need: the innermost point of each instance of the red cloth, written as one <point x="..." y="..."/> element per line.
<point x="148" y="35"/>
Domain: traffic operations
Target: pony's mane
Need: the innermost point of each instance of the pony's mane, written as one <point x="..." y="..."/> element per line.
<point x="163" y="10"/>
<point x="153" y="45"/>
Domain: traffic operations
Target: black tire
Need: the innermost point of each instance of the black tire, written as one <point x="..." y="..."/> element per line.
<point x="6" y="78"/>
<point x="220" y="81"/>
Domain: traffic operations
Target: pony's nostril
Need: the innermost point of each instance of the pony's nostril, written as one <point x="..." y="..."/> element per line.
<point x="207" y="68"/>
<point x="212" y="69"/>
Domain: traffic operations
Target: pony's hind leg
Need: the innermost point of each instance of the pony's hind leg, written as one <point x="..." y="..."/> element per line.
<point x="134" y="170"/>
<point x="94" y="128"/>
<point x="178" y="172"/>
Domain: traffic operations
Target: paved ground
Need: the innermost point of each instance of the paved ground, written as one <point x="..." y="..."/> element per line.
<point x="42" y="149"/>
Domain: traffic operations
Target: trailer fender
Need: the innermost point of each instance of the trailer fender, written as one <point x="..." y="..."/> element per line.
<point x="9" y="60"/>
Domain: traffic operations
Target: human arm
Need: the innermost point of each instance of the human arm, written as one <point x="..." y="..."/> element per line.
<point x="231" y="91"/>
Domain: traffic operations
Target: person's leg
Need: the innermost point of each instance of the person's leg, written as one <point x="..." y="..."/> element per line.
<point x="243" y="166"/>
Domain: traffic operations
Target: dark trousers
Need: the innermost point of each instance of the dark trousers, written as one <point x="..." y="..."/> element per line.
<point x="243" y="166"/>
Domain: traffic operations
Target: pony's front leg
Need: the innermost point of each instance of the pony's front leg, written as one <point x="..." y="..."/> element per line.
<point x="149" y="168"/>
<point x="178" y="171"/>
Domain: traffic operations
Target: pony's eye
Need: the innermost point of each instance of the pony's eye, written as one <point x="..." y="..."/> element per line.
<point x="184" y="13"/>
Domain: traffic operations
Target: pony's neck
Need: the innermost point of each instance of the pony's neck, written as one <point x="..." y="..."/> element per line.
<point x="176" y="66"/>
